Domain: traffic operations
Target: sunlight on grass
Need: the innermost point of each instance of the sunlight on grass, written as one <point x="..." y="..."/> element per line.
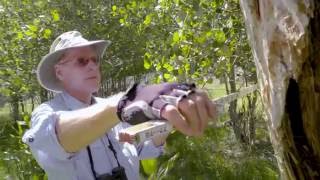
<point x="215" y="90"/>
<point x="4" y="111"/>
<point x="3" y="172"/>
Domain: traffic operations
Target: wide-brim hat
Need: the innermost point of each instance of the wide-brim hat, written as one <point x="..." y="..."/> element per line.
<point x="73" y="39"/>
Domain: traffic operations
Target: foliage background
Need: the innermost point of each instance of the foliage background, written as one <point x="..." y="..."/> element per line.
<point x="202" y="41"/>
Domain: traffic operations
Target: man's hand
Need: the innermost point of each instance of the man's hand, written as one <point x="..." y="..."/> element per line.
<point x="188" y="109"/>
<point x="191" y="114"/>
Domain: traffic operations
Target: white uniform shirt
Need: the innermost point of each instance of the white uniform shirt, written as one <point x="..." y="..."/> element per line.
<point x="58" y="164"/>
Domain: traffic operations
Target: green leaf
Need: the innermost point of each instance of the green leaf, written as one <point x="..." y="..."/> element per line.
<point x="114" y="8"/>
<point x="32" y="28"/>
<point x="180" y="71"/>
<point x="175" y="37"/>
<point x="149" y="166"/>
<point x="19" y="35"/>
<point x="187" y="67"/>
<point x="133" y="4"/>
<point x="36" y="21"/>
<point x="158" y="67"/>
<point x="147" y="20"/>
<point x="185" y="50"/>
<point x="167" y="76"/>
<point x="146" y="61"/>
<point x="220" y="36"/>
<point x="146" y="64"/>
<point x="168" y="66"/>
<point x="158" y="79"/>
<point x="47" y="33"/>
<point x="201" y="39"/>
<point x="55" y="15"/>
<point x="26" y="118"/>
<point x="209" y="34"/>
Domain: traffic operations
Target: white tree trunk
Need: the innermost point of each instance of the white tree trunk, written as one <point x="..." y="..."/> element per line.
<point x="285" y="40"/>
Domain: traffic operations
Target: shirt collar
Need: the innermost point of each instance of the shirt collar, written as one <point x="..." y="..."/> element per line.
<point x="72" y="103"/>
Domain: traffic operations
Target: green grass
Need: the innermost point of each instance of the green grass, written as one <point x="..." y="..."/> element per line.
<point x="3" y="172"/>
<point x="215" y="90"/>
<point x="5" y="110"/>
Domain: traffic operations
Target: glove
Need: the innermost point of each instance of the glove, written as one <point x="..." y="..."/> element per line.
<point x="142" y="103"/>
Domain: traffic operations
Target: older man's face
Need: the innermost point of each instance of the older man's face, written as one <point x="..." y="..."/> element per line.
<point x="78" y="70"/>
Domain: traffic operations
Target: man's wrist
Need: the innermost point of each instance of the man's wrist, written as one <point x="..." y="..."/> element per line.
<point x="112" y="104"/>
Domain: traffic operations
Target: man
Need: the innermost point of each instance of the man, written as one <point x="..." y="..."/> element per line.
<point x="76" y="135"/>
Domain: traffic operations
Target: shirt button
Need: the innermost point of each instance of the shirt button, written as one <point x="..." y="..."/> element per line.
<point x="30" y="139"/>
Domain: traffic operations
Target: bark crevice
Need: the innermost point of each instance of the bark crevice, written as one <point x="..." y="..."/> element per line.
<point x="294" y="112"/>
<point x="306" y="159"/>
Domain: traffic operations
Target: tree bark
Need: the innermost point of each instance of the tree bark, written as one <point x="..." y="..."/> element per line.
<point x="285" y="40"/>
<point x="14" y="102"/>
<point x="234" y="117"/>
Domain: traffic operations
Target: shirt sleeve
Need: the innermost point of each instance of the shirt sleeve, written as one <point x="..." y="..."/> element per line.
<point x="148" y="150"/>
<point x="42" y="137"/>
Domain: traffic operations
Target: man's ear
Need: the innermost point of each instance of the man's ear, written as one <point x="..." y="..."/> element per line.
<point x="58" y="72"/>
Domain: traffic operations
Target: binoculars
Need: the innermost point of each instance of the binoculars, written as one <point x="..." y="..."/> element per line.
<point x="118" y="173"/>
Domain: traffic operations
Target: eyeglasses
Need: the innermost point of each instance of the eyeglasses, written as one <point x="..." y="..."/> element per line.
<point x="82" y="62"/>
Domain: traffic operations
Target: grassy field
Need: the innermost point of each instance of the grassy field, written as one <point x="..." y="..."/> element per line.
<point x="3" y="172"/>
<point x="4" y="111"/>
<point x="216" y="90"/>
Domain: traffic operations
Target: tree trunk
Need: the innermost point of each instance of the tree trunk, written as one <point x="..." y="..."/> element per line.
<point x="32" y="102"/>
<point x="252" y="102"/>
<point x="226" y="83"/>
<point x="285" y="40"/>
<point x="14" y="102"/>
<point x="234" y="117"/>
